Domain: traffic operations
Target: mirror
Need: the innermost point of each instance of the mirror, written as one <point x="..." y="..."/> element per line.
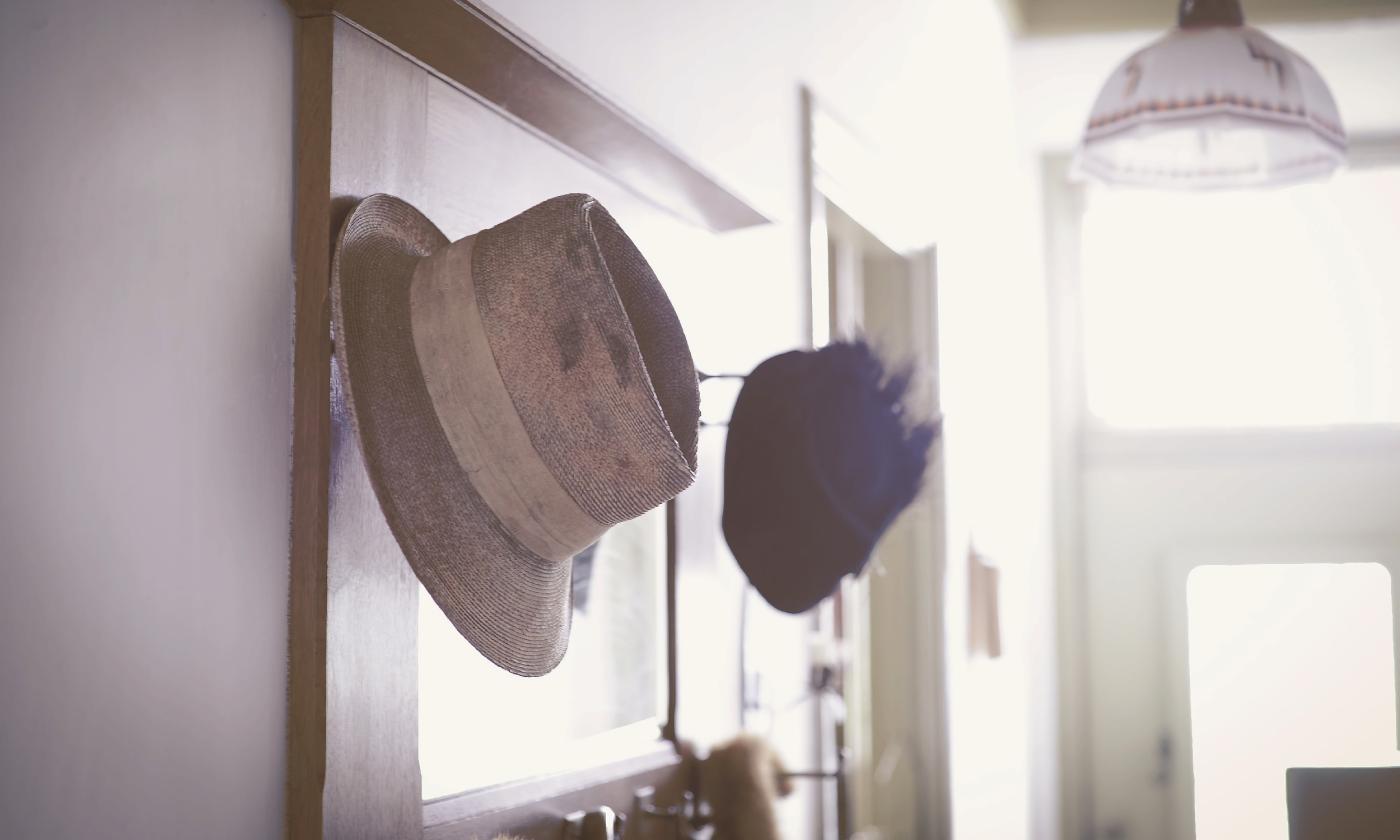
<point x="480" y="726"/>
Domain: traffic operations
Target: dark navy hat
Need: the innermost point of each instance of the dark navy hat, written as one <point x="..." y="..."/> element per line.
<point x="822" y="455"/>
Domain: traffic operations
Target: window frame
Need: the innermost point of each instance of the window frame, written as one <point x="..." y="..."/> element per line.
<point x="1064" y="208"/>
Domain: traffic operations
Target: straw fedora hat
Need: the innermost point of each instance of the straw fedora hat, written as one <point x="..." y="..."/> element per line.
<point x="516" y="393"/>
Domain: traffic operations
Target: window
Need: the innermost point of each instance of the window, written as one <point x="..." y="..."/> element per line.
<point x="1238" y="309"/>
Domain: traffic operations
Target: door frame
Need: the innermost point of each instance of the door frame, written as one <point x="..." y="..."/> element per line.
<point x="847" y="170"/>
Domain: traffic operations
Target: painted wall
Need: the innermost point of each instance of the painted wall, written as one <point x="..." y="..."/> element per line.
<point x="992" y="347"/>
<point x="145" y="152"/>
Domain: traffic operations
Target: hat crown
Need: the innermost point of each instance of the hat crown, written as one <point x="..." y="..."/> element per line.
<point x="592" y="354"/>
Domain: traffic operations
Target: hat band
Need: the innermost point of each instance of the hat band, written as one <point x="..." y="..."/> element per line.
<point x="476" y="412"/>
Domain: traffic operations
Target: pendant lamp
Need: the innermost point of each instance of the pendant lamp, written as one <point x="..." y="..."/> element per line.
<point x="1212" y="104"/>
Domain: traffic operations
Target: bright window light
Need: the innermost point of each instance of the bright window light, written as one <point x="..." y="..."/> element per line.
<point x="1290" y="667"/>
<point x="1235" y="309"/>
<point x="479" y="725"/>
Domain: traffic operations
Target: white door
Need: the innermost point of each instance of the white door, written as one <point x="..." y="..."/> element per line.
<point x="1278" y="656"/>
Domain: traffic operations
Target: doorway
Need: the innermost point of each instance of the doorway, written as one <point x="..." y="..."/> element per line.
<point x="890" y="617"/>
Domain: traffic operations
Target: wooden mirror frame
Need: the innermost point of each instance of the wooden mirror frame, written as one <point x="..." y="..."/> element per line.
<point x="352" y="696"/>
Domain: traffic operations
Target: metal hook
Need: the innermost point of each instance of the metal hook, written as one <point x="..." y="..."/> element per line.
<point x="706" y="377"/>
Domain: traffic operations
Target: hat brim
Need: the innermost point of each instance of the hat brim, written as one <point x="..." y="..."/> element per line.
<point x="795" y="573"/>
<point x="510" y="604"/>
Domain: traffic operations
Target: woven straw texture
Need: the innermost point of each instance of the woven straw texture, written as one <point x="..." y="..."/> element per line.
<point x="593" y="355"/>
<point x="594" y="362"/>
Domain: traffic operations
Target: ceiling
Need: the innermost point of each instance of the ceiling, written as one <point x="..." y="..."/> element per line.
<point x="1058" y="17"/>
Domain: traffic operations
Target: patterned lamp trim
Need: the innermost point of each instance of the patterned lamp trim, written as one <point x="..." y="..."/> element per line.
<point x="1213" y="106"/>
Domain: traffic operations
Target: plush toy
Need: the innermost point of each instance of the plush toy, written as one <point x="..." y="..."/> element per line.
<point x="741" y="780"/>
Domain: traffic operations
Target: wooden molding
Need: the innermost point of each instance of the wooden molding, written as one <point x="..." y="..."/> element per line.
<point x="311" y="423"/>
<point x="364" y="73"/>
<point x="479" y="54"/>
<point x="312" y="8"/>
<point x="533" y="808"/>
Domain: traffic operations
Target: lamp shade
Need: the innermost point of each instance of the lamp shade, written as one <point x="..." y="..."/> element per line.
<point x="1212" y="104"/>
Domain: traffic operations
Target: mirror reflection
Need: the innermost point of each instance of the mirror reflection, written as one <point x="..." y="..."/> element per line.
<point x="480" y="725"/>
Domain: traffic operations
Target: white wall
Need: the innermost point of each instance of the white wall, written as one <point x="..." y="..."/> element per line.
<point x="994" y="375"/>
<point x="145" y="220"/>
